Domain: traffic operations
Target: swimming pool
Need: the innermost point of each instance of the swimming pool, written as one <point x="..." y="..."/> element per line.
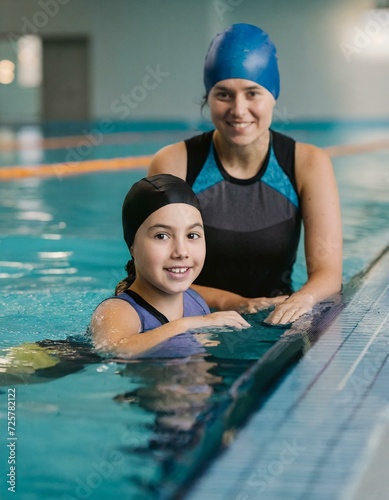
<point x="88" y="426"/>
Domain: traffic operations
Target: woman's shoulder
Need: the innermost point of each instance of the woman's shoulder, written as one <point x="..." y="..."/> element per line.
<point x="170" y="159"/>
<point x="308" y="155"/>
<point x="313" y="164"/>
<point x="173" y="159"/>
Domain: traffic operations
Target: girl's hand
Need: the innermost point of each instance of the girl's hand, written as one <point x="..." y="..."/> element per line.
<point x="225" y="318"/>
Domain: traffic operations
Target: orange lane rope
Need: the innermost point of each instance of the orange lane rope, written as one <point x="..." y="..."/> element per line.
<point x="93" y="138"/>
<point x="352" y="149"/>
<point x="72" y="168"/>
<point x="132" y="162"/>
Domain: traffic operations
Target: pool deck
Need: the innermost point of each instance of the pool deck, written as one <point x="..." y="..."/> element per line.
<point x="324" y="433"/>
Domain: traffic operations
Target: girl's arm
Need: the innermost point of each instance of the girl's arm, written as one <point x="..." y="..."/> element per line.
<point x="224" y="300"/>
<point x="115" y="328"/>
<point x="323" y="233"/>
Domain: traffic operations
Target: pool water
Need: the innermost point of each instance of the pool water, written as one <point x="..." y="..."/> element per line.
<point x="86" y="425"/>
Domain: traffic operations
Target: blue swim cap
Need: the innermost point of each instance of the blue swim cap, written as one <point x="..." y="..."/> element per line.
<point x="242" y="51"/>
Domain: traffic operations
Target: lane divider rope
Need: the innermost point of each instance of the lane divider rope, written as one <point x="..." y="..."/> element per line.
<point x="73" y="168"/>
<point x="133" y="162"/>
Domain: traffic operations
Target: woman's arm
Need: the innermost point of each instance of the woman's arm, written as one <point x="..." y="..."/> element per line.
<point x="115" y="328"/>
<point x="322" y="233"/>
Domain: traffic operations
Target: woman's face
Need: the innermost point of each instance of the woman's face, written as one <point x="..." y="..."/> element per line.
<point x="241" y="110"/>
<point x="169" y="248"/>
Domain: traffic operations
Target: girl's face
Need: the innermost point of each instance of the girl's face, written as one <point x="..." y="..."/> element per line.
<point x="169" y="248"/>
<point x="241" y="110"/>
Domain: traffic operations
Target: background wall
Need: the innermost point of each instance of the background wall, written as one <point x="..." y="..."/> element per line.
<point x="333" y="56"/>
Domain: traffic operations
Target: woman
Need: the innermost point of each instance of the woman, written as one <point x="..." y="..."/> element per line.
<point x="164" y="232"/>
<point x="255" y="187"/>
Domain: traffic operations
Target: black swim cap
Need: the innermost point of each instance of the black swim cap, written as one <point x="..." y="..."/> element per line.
<point x="149" y="195"/>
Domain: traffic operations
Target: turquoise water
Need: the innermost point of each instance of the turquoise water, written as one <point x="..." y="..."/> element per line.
<point x="87" y="426"/>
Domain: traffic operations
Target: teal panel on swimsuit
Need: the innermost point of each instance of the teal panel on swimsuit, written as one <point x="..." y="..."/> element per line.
<point x="209" y="175"/>
<point x="277" y="179"/>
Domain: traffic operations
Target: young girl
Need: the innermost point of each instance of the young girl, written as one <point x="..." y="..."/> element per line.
<point x="164" y="232"/>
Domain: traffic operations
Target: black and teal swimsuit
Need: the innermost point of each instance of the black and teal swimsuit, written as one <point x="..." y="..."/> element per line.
<point x="252" y="226"/>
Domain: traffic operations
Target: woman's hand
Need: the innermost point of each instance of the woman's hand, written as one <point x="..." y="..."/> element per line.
<point x="291" y="309"/>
